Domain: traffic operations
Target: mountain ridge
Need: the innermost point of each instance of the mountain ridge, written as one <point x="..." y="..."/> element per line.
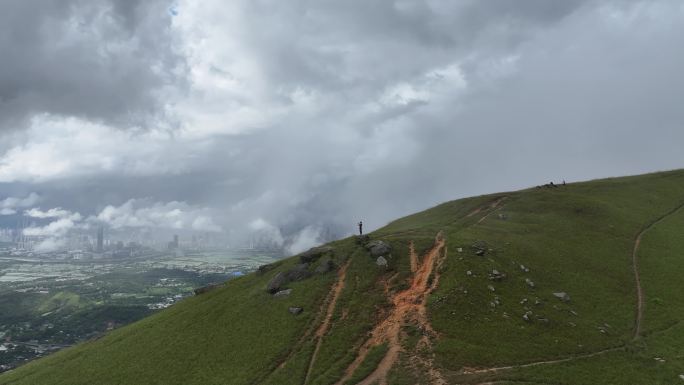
<point x="468" y="295"/>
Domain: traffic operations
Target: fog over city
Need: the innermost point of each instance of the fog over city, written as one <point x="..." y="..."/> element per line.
<point x="288" y="122"/>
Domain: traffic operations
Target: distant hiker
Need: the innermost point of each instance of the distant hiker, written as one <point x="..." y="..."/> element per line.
<point x="563" y="182"/>
<point x="360" y="228"/>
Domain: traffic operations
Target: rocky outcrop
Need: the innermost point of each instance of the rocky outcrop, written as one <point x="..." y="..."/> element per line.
<point x="206" y="289"/>
<point x="378" y="248"/>
<point x="325" y="265"/>
<point x="312" y="255"/>
<point x="277" y="282"/>
<point x="381" y="261"/>
<point x="297" y="273"/>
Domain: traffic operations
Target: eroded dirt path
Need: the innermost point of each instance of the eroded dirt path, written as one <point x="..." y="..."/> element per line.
<point x="489" y="206"/>
<point x="409" y="306"/>
<point x="639" y="309"/>
<point x="635" y="266"/>
<point x="539" y="363"/>
<point x="325" y="324"/>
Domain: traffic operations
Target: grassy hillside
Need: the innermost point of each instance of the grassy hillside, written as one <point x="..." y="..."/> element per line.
<point x="467" y="296"/>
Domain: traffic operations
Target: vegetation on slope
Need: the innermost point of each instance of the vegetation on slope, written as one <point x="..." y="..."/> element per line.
<point x="480" y="303"/>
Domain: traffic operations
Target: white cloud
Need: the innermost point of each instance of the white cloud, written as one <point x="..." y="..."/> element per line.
<point x="61" y="147"/>
<point x="304" y="240"/>
<point x="57" y="228"/>
<point x="50" y="244"/>
<point x="263" y="228"/>
<point x="56" y="212"/>
<point x="171" y="215"/>
<point x="9" y="206"/>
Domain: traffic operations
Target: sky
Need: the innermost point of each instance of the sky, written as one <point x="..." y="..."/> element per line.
<point x="290" y="118"/>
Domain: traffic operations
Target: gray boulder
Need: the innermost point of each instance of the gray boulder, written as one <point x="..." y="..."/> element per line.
<point x="298" y="273"/>
<point x="283" y="293"/>
<point x="312" y="255"/>
<point x="206" y="289"/>
<point x="265" y="268"/>
<point x="563" y="296"/>
<point x="295" y="310"/>
<point x="381" y="261"/>
<point x="362" y="240"/>
<point x="276" y="283"/>
<point x="325" y="265"/>
<point x="378" y="248"/>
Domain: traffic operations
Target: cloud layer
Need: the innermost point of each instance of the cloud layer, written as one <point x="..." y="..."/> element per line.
<point x="303" y="117"/>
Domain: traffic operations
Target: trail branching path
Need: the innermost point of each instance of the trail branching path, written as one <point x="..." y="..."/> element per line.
<point x="635" y="266"/>
<point x="408" y="305"/>
<point x="325" y="325"/>
<point x="639" y="309"/>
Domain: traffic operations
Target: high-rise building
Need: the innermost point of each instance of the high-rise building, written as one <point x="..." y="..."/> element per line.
<point x="100" y="239"/>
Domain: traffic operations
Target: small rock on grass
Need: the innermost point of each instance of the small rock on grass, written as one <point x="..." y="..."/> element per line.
<point x="295" y="310"/>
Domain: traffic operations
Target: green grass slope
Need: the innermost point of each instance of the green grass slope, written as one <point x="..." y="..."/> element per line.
<point x="441" y="316"/>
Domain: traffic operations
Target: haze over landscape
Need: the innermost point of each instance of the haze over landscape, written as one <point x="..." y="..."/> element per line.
<point x="154" y="151"/>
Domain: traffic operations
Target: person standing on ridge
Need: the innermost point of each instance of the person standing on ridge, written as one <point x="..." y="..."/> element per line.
<point x="360" y="228"/>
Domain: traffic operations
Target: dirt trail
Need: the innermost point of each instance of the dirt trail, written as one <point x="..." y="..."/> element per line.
<point x="635" y="266"/>
<point x="539" y="363"/>
<point x="490" y="205"/>
<point x="325" y="325"/>
<point x="639" y="310"/>
<point x="409" y="305"/>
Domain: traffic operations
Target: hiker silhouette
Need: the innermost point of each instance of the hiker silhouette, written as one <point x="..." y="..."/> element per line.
<point x="360" y="228"/>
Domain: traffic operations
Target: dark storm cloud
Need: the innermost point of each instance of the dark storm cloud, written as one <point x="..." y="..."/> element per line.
<point x="100" y="60"/>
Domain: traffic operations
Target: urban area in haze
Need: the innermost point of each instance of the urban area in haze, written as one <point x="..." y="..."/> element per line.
<point x="101" y="278"/>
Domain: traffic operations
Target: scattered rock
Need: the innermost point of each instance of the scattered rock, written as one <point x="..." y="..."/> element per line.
<point x="480" y="248"/>
<point x="491" y="288"/>
<point x="529" y="283"/>
<point x="325" y="265"/>
<point x="206" y="289"/>
<point x="283" y="293"/>
<point x="295" y="310"/>
<point x="469" y="273"/>
<point x="496" y="275"/>
<point x="527" y="317"/>
<point x="362" y="240"/>
<point x="537" y="302"/>
<point x="502" y="216"/>
<point x="314" y="254"/>
<point x="378" y="248"/>
<point x="659" y="359"/>
<point x="381" y="261"/>
<point x="563" y="296"/>
<point x="575" y="314"/>
<point x="681" y="376"/>
<point x="459" y="249"/>
<point x="524" y="301"/>
<point x="265" y="268"/>
<point x="276" y="283"/>
<point x="572" y="324"/>
<point x="543" y="320"/>
<point x="298" y="273"/>
<point x="524" y="269"/>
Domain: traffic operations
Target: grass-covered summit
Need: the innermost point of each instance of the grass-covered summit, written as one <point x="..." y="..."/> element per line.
<point x="576" y="284"/>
